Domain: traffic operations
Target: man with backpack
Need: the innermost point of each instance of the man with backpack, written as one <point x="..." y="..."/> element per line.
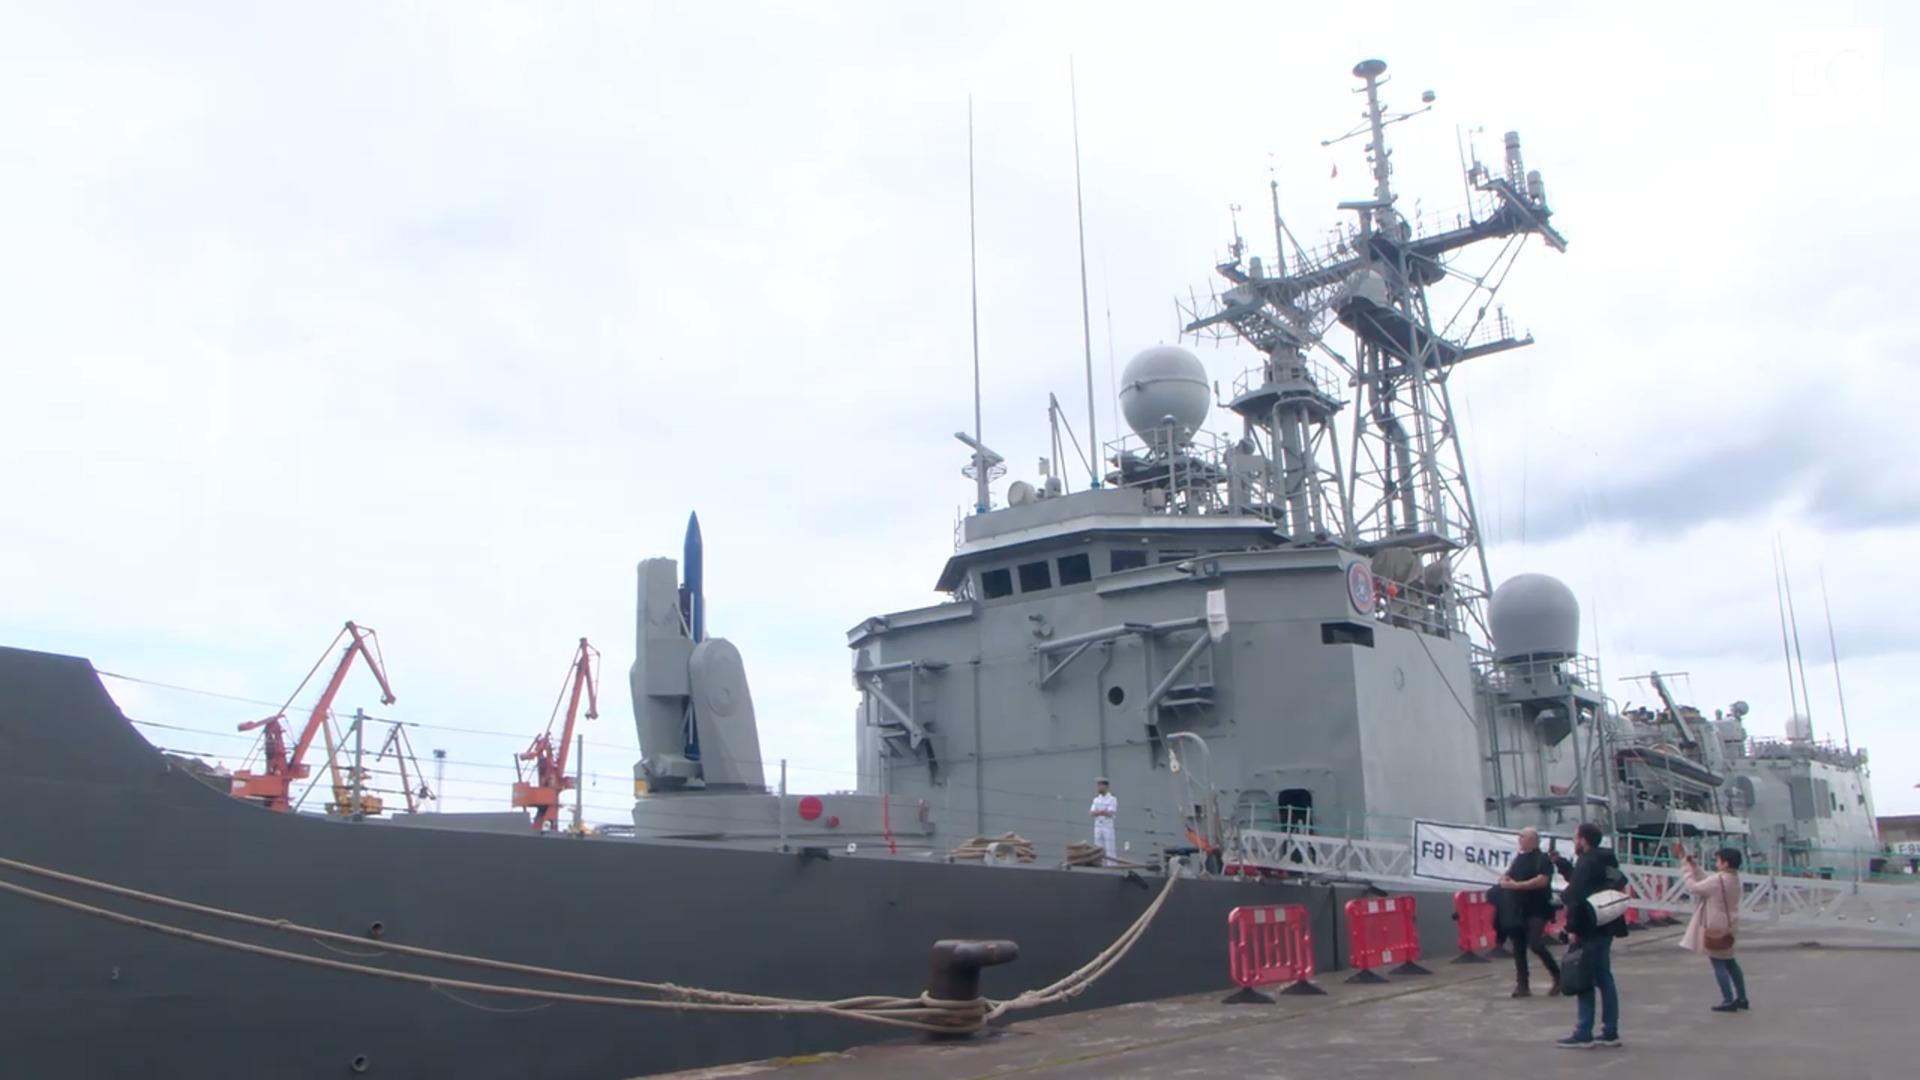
<point x="1593" y="870"/>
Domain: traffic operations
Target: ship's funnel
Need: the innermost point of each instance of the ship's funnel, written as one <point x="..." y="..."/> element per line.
<point x="1534" y="617"/>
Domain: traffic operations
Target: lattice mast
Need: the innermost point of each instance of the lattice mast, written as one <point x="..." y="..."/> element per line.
<point x="1404" y="496"/>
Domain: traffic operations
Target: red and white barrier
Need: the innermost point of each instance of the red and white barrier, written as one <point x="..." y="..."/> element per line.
<point x="1268" y="945"/>
<point x="1382" y="931"/>
<point x="1475" y="915"/>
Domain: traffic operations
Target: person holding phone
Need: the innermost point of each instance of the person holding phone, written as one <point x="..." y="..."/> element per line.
<point x="1528" y="882"/>
<point x="1710" y="932"/>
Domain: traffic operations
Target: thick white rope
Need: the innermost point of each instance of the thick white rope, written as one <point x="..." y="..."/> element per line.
<point x="922" y="1013"/>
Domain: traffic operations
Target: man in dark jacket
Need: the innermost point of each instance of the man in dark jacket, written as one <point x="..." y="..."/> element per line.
<point x="1593" y="869"/>
<point x="1528" y="896"/>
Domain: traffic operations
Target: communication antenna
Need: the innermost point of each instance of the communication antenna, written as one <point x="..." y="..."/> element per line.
<point x="985" y="464"/>
<point x="1086" y="323"/>
<point x="1799" y="658"/>
<point x="1833" y="651"/>
<point x="1786" y="651"/>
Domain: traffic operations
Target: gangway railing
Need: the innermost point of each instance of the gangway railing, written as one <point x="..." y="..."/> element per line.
<point x="1774" y="899"/>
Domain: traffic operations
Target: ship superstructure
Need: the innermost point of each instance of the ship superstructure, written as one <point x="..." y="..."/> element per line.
<point x="1294" y="624"/>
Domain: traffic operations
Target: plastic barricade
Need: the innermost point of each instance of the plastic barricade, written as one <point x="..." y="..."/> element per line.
<point x="1382" y="931"/>
<point x="1475" y="915"/>
<point x="1268" y="945"/>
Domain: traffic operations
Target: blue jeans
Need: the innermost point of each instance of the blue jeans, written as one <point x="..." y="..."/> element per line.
<point x="1599" y="952"/>
<point x="1733" y="981"/>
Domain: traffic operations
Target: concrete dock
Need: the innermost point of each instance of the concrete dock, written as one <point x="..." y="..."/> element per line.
<point x="1828" y="1004"/>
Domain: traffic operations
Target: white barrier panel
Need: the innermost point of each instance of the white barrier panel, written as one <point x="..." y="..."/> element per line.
<point x="1473" y="854"/>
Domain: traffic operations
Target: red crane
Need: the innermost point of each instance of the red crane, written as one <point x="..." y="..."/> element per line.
<point x="270" y="786"/>
<point x="549" y="758"/>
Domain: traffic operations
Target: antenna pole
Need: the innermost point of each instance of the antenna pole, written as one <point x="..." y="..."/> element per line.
<point x="981" y="490"/>
<point x="1086" y="323"/>
<point x="1833" y="651"/>
<point x="1799" y="658"/>
<point x="1786" y="653"/>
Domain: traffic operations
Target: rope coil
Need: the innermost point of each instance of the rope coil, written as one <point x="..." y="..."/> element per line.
<point x="922" y="1013"/>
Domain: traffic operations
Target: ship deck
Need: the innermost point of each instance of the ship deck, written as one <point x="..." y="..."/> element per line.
<point x="1820" y="1009"/>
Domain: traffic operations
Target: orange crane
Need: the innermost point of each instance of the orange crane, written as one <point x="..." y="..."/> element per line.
<point x="549" y="758"/>
<point x="280" y="769"/>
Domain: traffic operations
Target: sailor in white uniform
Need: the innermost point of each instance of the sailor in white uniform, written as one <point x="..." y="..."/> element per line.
<point x="1102" y="811"/>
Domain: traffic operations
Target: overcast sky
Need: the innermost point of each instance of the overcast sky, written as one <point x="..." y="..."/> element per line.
<point x="440" y="317"/>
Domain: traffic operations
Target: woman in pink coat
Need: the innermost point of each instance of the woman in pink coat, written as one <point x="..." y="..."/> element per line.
<point x="1716" y="912"/>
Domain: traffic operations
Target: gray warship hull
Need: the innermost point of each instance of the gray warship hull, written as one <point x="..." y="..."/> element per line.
<point x="83" y="793"/>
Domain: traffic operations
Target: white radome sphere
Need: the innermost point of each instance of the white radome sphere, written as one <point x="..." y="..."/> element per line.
<point x="1533" y="615"/>
<point x="1164" y="381"/>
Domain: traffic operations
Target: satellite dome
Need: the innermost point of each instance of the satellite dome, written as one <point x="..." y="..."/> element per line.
<point x="1799" y="728"/>
<point x="1369" y="285"/>
<point x="1533" y="616"/>
<point x="1161" y="382"/>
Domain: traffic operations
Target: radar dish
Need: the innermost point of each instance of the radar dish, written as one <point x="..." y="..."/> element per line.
<point x="1533" y="616"/>
<point x="1163" y="391"/>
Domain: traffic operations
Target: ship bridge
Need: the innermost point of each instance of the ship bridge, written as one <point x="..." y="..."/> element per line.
<point x="1070" y="539"/>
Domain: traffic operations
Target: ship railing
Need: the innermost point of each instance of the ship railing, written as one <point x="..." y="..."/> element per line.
<point x="1321" y="375"/>
<point x="1825" y="751"/>
<point x="1576" y="672"/>
<point x="1498" y="329"/>
<point x="1192" y="479"/>
<point x="1400" y="603"/>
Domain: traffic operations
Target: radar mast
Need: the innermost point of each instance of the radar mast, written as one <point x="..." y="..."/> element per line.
<point x="1404" y="498"/>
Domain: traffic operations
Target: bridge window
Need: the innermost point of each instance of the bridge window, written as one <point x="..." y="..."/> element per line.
<point x="1125" y="559"/>
<point x="1346" y="633"/>
<point x="1035" y="576"/>
<point x="995" y="584"/>
<point x="1075" y="569"/>
<point x="1176" y="555"/>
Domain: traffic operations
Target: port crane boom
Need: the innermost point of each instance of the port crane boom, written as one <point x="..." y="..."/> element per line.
<point x="542" y="792"/>
<point x="281" y="768"/>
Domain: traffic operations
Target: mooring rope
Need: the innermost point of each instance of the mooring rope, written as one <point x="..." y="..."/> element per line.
<point x="921" y="1013"/>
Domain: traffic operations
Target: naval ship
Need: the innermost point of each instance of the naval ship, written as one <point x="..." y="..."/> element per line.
<point x="1284" y="625"/>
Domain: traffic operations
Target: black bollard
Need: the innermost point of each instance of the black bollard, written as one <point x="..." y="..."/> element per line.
<point x="954" y="969"/>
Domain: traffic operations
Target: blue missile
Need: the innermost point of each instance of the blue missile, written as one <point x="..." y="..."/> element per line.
<point x="693" y="608"/>
<point x="692" y="576"/>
